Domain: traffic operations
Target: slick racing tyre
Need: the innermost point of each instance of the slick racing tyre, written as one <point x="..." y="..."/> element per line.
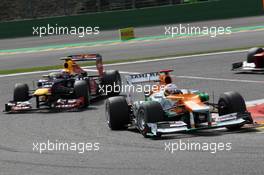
<point x="251" y="53"/>
<point x="117" y="113"/>
<point x="81" y="89"/>
<point x="149" y="112"/>
<point x="231" y="102"/>
<point x="112" y="82"/>
<point x="21" y="93"/>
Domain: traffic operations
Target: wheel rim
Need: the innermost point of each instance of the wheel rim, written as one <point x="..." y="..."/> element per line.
<point x="222" y="107"/>
<point x="141" y="121"/>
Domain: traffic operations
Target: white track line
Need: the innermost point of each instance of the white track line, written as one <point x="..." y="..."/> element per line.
<point x="134" y="62"/>
<point x="248" y="103"/>
<point x="43" y="72"/>
<point x="25" y="73"/>
<point x="220" y="79"/>
<point x="174" y="58"/>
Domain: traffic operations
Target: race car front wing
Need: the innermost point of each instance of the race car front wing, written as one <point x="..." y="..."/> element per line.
<point x="170" y="127"/>
<point x="247" y="67"/>
<point x="66" y="104"/>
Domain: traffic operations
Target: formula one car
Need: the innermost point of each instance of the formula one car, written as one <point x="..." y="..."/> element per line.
<point x="72" y="88"/>
<point x="167" y="109"/>
<point x="254" y="63"/>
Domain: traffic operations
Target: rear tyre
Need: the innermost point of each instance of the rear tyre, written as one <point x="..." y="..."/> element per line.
<point x="21" y="92"/>
<point x="117" y="113"/>
<point x="252" y="52"/>
<point x="149" y="112"/>
<point x="231" y="102"/>
<point x="81" y="89"/>
<point x="112" y="82"/>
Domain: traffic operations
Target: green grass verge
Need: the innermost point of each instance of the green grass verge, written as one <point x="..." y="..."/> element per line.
<point x="46" y="68"/>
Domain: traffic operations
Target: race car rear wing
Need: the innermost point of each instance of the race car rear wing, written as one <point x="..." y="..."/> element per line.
<point x="163" y="76"/>
<point x="85" y="57"/>
<point x="134" y="79"/>
<point x="142" y="78"/>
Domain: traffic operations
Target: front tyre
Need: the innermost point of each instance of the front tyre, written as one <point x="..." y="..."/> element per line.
<point x="232" y="102"/>
<point x="81" y="89"/>
<point x="149" y="112"/>
<point x="117" y="113"/>
<point x="21" y="93"/>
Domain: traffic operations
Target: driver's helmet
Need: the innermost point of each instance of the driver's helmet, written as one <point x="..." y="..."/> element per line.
<point x="55" y="75"/>
<point x="171" y="89"/>
<point x="59" y="75"/>
<point x="65" y="74"/>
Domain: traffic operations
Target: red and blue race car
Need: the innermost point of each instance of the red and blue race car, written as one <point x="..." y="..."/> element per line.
<point x="71" y="88"/>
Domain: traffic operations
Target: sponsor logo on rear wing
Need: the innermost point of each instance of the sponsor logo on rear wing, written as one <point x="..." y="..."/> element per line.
<point x="70" y="62"/>
<point x="83" y="57"/>
<point x="144" y="77"/>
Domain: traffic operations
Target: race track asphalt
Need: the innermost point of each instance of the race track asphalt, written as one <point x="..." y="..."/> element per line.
<point x="26" y="42"/>
<point x="132" y="49"/>
<point x="127" y="152"/>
